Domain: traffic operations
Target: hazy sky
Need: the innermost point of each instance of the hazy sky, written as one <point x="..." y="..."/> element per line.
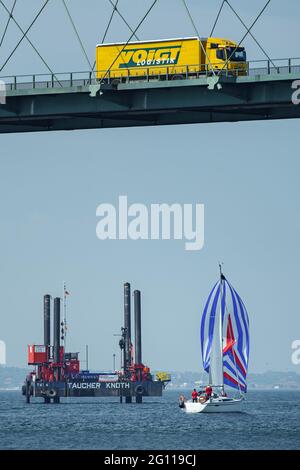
<point x="246" y="174"/>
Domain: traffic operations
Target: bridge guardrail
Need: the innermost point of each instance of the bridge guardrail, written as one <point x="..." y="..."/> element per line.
<point x="83" y="79"/>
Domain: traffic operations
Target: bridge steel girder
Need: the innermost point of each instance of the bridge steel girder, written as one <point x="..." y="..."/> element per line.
<point x="149" y="104"/>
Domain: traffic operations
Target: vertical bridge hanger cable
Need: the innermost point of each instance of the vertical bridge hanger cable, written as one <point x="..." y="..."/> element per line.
<point x="7" y="23"/>
<point x="198" y="35"/>
<point x="122" y="17"/>
<point x="116" y="10"/>
<point x="246" y="34"/>
<point x="251" y="34"/>
<point x="115" y="6"/>
<point x="133" y="33"/>
<point x="217" y="18"/>
<point x="77" y="35"/>
<point x="24" y="36"/>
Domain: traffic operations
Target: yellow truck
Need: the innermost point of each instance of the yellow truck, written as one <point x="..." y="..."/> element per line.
<point x="169" y="58"/>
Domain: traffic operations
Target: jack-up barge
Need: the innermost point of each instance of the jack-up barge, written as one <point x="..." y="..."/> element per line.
<point x="57" y="372"/>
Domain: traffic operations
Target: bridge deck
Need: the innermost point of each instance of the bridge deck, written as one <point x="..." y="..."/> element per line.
<point x="64" y="101"/>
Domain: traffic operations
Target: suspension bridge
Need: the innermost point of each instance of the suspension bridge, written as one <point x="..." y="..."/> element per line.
<point x="78" y="100"/>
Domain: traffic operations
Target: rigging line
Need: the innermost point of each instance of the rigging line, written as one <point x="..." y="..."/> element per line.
<point x="246" y="34"/>
<point x="7" y="24"/>
<point x="122" y="17"/>
<point x="77" y="35"/>
<point x="23" y="32"/>
<point x="108" y="26"/>
<point x="217" y="19"/>
<point x="198" y="35"/>
<point x="251" y="34"/>
<point x="110" y="20"/>
<point x="138" y="26"/>
<point x="25" y="36"/>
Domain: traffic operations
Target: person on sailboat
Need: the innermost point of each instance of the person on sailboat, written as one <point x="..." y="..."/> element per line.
<point x="182" y="401"/>
<point x="208" y="392"/>
<point x="194" y="395"/>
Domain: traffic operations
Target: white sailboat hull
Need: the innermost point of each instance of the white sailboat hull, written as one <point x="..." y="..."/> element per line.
<point x="216" y="405"/>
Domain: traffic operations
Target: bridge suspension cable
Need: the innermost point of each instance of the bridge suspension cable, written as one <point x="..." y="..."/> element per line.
<point x="115" y="10"/>
<point x="245" y="35"/>
<point x="217" y="18"/>
<point x="25" y="36"/>
<point x="126" y="22"/>
<point x="251" y="34"/>
<point x="77" y="35"/>
<point x="110" y="21"/>
<point x="7" y="23"/>
<point x="198" y="35"/>
<point x="133" y="33"/>
<point x="115" y="5"/>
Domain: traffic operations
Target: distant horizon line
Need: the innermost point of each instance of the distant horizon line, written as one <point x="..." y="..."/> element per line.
<point x="169" y="370"/>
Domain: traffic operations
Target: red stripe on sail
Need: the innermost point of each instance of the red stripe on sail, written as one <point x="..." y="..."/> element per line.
<point x="230" y="340"/>
<point x="231" y="379"/>
<point x="238" y="362"/>
<point x="235" y="382"/>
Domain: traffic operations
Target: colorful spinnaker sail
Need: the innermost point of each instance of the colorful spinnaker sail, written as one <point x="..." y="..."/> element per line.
<point x="224" y="337"/>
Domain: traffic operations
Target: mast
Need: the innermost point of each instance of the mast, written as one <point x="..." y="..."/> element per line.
<point x="221" y="323"/>
<point x="65" y="316"/>
<point x="216" y="376"/>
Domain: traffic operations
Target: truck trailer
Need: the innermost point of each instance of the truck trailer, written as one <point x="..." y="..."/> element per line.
<point x="174" y="58"/>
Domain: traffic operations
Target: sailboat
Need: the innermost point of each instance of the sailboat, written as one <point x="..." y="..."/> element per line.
<point x="224" y="338"/>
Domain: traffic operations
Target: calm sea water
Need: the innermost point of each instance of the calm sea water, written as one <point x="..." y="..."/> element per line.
<point x="272" y="421"/>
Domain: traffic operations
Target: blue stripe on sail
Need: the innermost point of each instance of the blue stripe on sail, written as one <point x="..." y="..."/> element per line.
<point x="232" y="358"/>
<point x="233" y="371"/>
<point x="206" y="330"/>
<point x="246" y="343"/>
<point x="202" y="328"/>
<point x="238" y="324"/>
<point x="223" y="302"/>
<point x="241" y="340"/>
<point x="243" y="305"/>
<point x="245" y="319"/>
<point x="211" y="325"/>
<point x="233" y="385"/>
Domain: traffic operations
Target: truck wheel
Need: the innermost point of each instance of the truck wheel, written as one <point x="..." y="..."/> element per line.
<point x="177" y="77"/>
<point x="115" y="82"/>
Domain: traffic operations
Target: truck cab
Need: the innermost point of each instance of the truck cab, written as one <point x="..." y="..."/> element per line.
<point x="226" y="55"/>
